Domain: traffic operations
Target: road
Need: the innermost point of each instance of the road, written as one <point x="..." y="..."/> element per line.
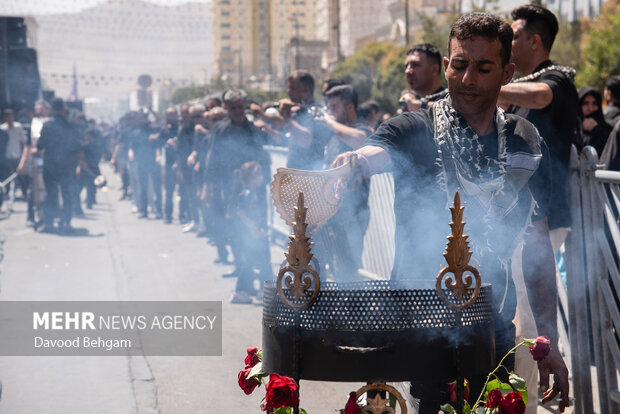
<point x="115" y="256"/>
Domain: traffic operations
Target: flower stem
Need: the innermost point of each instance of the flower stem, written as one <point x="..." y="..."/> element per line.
<point x="501" y="364"/>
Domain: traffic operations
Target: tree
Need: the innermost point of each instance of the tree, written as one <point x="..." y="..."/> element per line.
<point x="187" y="93"/>
<point x="390" y="80"/>
<point x="361" y="68"/>
<point x="567" y="45"/>
<point x="602" y="51"/>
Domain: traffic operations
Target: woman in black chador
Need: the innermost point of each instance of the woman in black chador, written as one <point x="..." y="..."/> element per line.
<point x="594" y="127"/>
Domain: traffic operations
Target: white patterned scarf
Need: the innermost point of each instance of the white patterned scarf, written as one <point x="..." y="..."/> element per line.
<point x="496" y="183"/>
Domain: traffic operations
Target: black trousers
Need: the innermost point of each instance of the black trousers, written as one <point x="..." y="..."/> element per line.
<point x="56" y="182"/>
<point x="149" y="170"/>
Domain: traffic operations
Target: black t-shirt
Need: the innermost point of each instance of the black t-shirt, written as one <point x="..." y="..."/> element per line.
<point x="421" y="204"/>
<point x="557" y="124"/>
<point x="310" y="158"/>
<point x="60" y="144"/>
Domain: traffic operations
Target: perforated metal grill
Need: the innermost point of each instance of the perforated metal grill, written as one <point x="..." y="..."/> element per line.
<point x="318" y="187"/>
<point x="375" y="306"/>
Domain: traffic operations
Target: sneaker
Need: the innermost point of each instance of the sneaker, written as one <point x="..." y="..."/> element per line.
<point x="142" y="215"/>
<point x="234" y="273"/>
<point x="190" y="227"/>
<point x="158" y="216"/>
<point x="167" y="220"/>
<point x="241" y="297"/>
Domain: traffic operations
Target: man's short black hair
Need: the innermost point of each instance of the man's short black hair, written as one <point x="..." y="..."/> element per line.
<point x="304" y="77"/>
<point x="430" y="50"/>
<point x="332" y="82"/>
<point x="345" y="92"/>
<point x="485" y="25"/>
<point x="58" y="104"/>
<point x="538" y="20"/>
<point x="612" y="84"/>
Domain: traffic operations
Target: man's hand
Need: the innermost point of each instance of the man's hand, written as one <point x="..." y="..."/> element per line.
<point x="554" y="364"/>
<point x="342" y="159"/>
<point x="285" y="108"/>
<point x="413" y="104"/>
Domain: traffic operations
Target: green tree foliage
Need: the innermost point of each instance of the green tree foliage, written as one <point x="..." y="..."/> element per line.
<point x="567" y="45"/>
<point x="602" y="52"/>
<point x="187" y="93"/>
<point x="361" y="68"/>
<point x="390" y="80"/>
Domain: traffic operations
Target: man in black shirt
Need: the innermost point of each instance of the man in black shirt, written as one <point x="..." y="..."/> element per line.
<point x="545" y="96"/>
<point x="423" y="73"/>
<point x="346" y="229"/>
<point x="234" y="141"/>
<point x="463" y="142"/>
<point x="60" y="145"/>
<point x="306" y="137"/>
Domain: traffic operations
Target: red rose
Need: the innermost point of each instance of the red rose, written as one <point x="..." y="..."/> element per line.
<point x="252" y="358"/>
<point x="280" y="392"/>
<point x="247" y="384"/>
<point x="352" y="407"/>
<point x="512" y="403"/>
<point x="452" y="391"/>
<point x="494" y="397"/>
<point x="541" y="348"/>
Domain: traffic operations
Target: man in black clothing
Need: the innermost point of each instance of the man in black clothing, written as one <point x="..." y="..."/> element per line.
<point x="463" y="142"/>
<point x="234" y="141"/>
<point x="423" y="73"/>
<point x="612" y="96"/>
<point x="166" y="141"/>
<point x="545" y="96"/>
<point x="59" y="142"/>
<point x="184" y="146"/>
<point x="145" y="152"/>
<point x="346" y="229"/>
<point x="307" y="138"/>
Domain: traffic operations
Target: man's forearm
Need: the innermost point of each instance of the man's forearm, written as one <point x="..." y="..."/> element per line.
<point x="352" y="137"/>
<point x="533" y="95"/>
<point x="540" y="279"/>
<point x="301" y="135"/>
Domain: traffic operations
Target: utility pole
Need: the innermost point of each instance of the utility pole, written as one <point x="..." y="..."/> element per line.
<point x="337" y="27"/>
<point x="406" y="22"/>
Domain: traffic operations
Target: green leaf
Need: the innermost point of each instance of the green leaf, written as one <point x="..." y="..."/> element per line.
<point x="517" y="382"/>
<point x="467" y="408"/>
<point x="493" y="384"/>
<point x="257" y="371"/>
<point x="283" y="410"/>
<point x="305" y="412"/>
<point x="524" y="396"/>
<point x="447" y="408"/>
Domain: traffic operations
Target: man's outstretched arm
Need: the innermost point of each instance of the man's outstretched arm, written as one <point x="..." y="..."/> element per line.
<point x="370" y="160"/>
<point x="539" y="276"/>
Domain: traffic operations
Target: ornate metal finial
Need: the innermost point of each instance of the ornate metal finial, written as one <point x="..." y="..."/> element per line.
<point x="457" y="255"/>
<point x="298" y="258"/>
<point x="378" y="404"/>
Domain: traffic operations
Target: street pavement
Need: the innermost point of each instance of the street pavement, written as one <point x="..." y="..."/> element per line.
<point x="113" y="255"/>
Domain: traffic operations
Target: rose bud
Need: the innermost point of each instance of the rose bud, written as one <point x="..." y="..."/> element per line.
<point x="541" y="348"/>
<point x="247" y="384"/>
<point x="512" y="403"/>
<point x="452" y="391"/>
<point x="252" y="358"/>
<point x="494" y="397"/>
<point x="281" y="392"/>
<point x="351" y="407"/>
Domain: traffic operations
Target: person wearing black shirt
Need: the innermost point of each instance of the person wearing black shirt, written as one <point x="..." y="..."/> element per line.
<point x="596" y="130"/>
<point x="545" y="96"/>
<point x="423" y="73"/>
<point x="307" y="138"/>
<point x="346" y="229"/>
<point x="60" y="144"/>
<point x="463" y="142"/>
<point x="234" y="141"/>
<point x="166" y="141"/>
<point x="612" y="96"/>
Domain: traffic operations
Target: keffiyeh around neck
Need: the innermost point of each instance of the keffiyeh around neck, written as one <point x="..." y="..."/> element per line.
<point x="495" y="182"/>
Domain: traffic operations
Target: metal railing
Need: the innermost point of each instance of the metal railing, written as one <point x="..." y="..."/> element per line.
<point x="593" y="283"/>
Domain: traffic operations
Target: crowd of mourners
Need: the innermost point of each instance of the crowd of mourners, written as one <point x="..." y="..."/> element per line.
<point x="207" y="166"/>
